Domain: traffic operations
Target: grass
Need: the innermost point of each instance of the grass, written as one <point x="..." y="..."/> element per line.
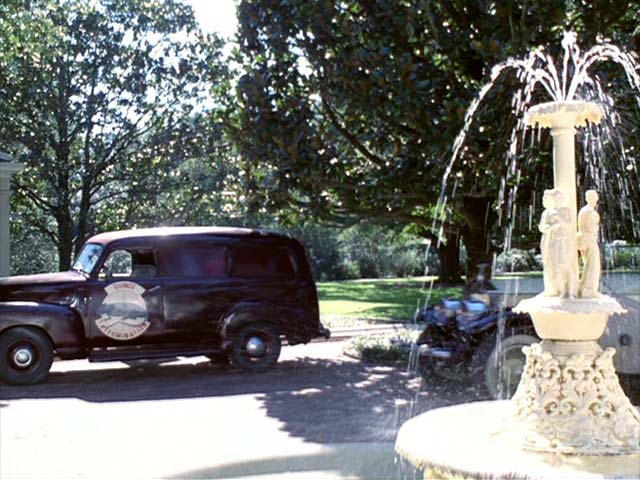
<point x="355" y="303"/>
<point x="379" y="301"/>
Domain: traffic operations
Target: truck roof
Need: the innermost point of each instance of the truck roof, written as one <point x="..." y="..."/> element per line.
<point x="108" y="237"/>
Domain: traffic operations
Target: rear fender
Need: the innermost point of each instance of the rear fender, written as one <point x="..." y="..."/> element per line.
<point x="61" y="323"/>
<point x="288" y="321"/>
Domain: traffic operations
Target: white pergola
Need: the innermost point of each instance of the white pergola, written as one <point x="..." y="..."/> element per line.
<point x="8" y="166"/>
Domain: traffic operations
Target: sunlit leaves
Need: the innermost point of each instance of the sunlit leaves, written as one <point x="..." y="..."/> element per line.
<point x="87" y="89"/>
<point x="364" y="99"/>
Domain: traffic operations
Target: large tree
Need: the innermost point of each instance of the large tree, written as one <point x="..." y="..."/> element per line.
<point x="351" y="108"/>
<point x="91" y="94"/>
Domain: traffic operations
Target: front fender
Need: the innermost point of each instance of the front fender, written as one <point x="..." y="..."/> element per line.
<point x="60" y="322"/>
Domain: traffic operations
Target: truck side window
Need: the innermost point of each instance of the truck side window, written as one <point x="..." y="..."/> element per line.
<point x="259" y="261"/>
<point x="131" y="264"/>
<point x="118" y="263"/>
<point x="200" y="261"/>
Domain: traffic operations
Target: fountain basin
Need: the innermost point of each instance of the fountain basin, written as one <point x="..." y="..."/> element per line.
<point x="481" y="440"/>
<point x="576" y="319"/>
<point x="565" y="113"/>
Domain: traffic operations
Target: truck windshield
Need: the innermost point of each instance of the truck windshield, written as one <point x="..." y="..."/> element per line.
<point x="88" y="257"/>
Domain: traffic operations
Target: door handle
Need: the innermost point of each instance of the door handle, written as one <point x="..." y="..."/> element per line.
<point x="154" y="289"/>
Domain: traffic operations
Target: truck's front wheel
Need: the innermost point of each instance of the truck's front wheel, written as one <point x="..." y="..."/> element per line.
<point x="25" y="356"/>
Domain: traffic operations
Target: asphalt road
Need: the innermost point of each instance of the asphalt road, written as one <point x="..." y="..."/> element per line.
<point x="318" y="414"/>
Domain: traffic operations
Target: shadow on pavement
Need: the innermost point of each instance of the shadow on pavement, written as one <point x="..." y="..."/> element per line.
<point x="362" y="403"/>
<point x="356" y="460"/>
<point x="319" y="400"/>
<point x="162" y="382"/>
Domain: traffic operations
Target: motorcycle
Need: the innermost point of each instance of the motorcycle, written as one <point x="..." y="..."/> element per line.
<point x="466" y="340"/>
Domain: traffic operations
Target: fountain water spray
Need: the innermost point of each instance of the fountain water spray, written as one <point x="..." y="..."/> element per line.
<point x="569" y="416"/>
<point x="539" y="76"/>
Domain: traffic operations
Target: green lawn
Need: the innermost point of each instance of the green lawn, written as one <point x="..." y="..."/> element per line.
<point x="358" y="302"/>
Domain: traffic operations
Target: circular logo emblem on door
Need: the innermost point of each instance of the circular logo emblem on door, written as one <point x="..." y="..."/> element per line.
<point x="123" y="313"/>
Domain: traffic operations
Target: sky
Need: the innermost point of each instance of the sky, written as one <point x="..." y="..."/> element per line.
<point x="216" y="16"/>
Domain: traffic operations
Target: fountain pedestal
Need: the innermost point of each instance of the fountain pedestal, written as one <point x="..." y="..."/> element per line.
<point x="569" y="401"/>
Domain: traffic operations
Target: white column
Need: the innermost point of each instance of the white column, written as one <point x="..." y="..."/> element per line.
<point x="564" y="166"/>
<point x="4" y="225"/>
<point x="564" y="179"/>
<point x="6" y="170"/>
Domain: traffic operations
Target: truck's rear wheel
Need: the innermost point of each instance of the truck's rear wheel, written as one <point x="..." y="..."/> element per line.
<point x="255" y="347"/>
<point x="25" y="356"/>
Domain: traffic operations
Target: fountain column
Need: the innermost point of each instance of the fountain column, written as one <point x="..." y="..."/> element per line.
<point x="563" y="121"/>
<point x="564" y="169"/>
<point x="564" y="176"/>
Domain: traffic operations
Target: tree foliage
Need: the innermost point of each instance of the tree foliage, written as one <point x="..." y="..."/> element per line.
<point x="352" y="107"/>
<point x="92" y="94"/>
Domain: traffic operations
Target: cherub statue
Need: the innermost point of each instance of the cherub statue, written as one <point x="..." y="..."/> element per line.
<point x="560" y="279"/>
<point x="588" y="224"/>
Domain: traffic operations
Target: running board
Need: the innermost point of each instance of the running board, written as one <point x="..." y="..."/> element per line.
<point x="123" y="354"/>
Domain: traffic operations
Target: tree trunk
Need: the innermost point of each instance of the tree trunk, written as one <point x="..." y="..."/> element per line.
<point x="83" y="220"/>
<point x="479" y="220"/>
<point x="449" y="254"/>
<point x="65" y="240"/>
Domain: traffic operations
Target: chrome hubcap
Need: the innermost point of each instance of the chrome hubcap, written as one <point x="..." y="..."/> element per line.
<point x="23" y="357"/>
<point x="256" y="347"/>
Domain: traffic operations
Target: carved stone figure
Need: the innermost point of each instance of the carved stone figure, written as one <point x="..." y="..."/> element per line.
<point x="588" y="224"/>
<point x="548" y="220"/>
<point x="555" y="224"/>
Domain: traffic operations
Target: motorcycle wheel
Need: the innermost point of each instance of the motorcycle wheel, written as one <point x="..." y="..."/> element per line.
<point x="502" y="363"/>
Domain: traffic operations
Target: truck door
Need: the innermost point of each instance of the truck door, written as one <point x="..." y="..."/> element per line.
<point x="197" y="290"/>
<point x="125" y="302"/>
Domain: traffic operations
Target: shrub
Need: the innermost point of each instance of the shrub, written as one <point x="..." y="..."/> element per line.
<point x="364" y="250"/>
<point x="382" y="347"/>
<point x="382" y="251"/>
<point x="32" y="252"/>
<point x="517" y="260"/>
<point x="622" y="256"/>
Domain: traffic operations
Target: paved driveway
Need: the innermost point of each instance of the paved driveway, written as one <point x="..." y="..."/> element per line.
<point x="317" y="415"/>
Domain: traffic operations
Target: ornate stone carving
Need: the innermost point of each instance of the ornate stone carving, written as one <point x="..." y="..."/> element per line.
<point x="570" y="401"/>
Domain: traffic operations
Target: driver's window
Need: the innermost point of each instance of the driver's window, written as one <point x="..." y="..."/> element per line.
<point x="119" y="264"/>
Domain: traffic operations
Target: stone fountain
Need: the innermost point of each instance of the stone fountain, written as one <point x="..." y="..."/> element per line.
<point x="569" y="417"/>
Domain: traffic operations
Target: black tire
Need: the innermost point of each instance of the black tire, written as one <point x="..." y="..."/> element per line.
<point x="255" y="347"/>
<point x="25" y="356"/>
<point x="630" y="384"/>
<point x="220" y="359"/>
<point x="502" y="367"/>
